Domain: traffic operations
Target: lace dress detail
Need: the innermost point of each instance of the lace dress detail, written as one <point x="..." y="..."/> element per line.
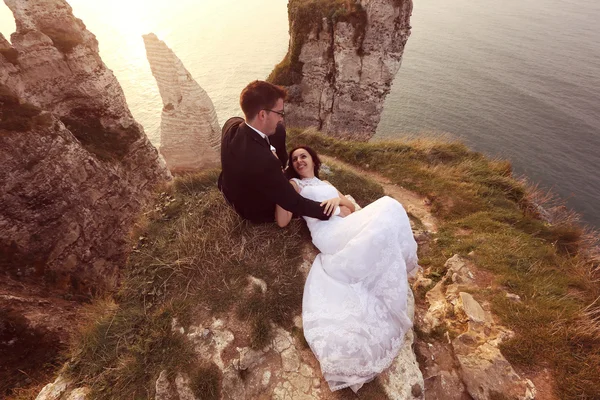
<point x="354" y="304"/>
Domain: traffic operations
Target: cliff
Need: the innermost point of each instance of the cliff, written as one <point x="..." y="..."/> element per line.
<point x="341" y="61"/>
<point x="190" y="136"/>
<point x="209" y="306"/>
<point x="76" y="165"/>
<point x="75" y="171"/>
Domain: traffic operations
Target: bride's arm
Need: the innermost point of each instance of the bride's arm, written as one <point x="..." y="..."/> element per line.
<point x="344" y="200"/>
<point x="283" y="216"/>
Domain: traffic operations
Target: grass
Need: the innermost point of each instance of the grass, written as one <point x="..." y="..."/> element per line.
<point x="542" y="254"/>
<point x="191" y="259"/>
<point x="192" y="256"/>
<point x="307" y="16"/>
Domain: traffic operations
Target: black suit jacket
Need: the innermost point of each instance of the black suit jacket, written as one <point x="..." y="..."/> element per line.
<point x="252" y="180"/>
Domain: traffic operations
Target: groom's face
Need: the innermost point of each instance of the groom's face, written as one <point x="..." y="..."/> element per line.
<point x="274" y="117"/>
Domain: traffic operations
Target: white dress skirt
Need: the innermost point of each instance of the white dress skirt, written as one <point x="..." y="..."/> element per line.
<point x="355" y="297"/>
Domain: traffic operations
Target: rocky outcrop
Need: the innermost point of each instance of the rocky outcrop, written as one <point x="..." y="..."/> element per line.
<point x="76" y="167"/>
<point x="284" y="369"/>
<point x="190" y="137"/>
<point x="342" y="59"/>
<point x="470" y="365"/>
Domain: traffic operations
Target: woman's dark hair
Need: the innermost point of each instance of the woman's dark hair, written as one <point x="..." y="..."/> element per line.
<point x="290" y="172"/>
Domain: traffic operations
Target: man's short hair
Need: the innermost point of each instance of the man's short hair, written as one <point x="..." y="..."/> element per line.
<point x="260" y="95"/>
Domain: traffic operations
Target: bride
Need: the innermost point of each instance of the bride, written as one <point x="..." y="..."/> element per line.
<point x="354" y="304"/>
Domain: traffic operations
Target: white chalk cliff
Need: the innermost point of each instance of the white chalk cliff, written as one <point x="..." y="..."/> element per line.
<point x="190" y="137"/>
<point x="341" y="63"/>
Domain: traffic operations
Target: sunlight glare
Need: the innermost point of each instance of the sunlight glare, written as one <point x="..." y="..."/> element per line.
<point x="7" y="21"/>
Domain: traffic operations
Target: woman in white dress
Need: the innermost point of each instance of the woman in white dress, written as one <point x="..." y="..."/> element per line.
<point x="354" y="304"/>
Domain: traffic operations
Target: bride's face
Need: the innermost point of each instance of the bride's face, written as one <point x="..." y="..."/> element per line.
<point x="303" y="163"/>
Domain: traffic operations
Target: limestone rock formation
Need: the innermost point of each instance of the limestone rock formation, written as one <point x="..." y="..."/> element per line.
<point x="471" y="363"/>
<point x="285" y="369"/>
<point x="190" y="137"/>
<point x="76" y="166"/>
<point x="342" y="59"/>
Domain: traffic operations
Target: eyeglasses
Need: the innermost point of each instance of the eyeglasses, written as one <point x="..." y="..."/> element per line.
<point x="282" y="113"/>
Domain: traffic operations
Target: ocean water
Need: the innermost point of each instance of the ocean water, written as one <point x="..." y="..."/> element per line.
<point x="513" y="79"/>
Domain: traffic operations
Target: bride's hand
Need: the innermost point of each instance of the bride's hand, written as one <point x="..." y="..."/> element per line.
<point x="331" y="205"/>
<point x="344" y="211"/>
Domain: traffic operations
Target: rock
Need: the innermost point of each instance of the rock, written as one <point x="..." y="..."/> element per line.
<point x="403" y="376"/>
<point x="446" y="385"/>
<point x="233" y="386"/>
<point x="416" y="391"/>
<point x="79" y="394"/>
<point x="54" y="390"/>
<point x="486" y="373"/>
<point x="472" y="308"/>
<point x="438" y="308"/>
<point x="190" y="136"/>
<point x="282" y="341"/>
<point x="258" y="283"/>
<point x="421" y="282"/>
<point x="249" y="358"/>
<point x="266" y="378"/>
<point x="78" y="149"/>
<point x="341" y="73"/>
<point x="298" y="322"/>
<point x="458" y="270"/>
<point x="182" y="383"/>
<point x="513" y="297"/>
<point x="290" y="360"/>
<point x="163" y="388"/>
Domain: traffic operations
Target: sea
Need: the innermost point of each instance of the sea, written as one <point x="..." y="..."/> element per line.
<point x="518" y="80"/>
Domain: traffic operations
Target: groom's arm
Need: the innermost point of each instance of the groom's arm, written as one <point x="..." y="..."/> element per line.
<point x="277" y="187"/>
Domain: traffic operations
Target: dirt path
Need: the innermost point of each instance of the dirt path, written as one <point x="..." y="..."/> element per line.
<point x="412" y="202"/>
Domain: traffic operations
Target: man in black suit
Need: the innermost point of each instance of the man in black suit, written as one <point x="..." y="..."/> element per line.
<point x="253" y="154"/>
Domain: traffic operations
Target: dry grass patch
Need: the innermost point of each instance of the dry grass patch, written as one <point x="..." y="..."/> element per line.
<point x="191" y="259"/>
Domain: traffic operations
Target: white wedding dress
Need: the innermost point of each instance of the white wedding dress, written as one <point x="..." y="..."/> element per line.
<point x="354" y="304"/>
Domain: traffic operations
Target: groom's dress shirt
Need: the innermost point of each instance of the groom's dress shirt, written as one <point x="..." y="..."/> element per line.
<point x="251" y="179"/>
<point x="265" y="137"/>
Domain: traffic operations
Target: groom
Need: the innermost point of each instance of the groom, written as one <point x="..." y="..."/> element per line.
<point x="253" y="154"/>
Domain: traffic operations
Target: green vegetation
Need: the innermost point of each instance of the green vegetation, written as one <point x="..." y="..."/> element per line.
<point x="307" y="16"/>
<point x="192" y="255"/>
<point x="481" y="208"/>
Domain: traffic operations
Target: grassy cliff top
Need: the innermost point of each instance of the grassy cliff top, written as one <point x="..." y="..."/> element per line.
<point x="192" y="254"/>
